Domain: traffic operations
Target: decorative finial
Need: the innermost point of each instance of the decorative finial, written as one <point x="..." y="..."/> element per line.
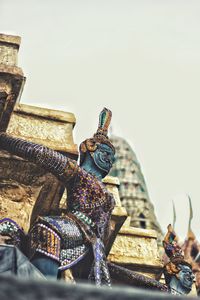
<point x="190" y="234"/>
<point x="174" y="214"/>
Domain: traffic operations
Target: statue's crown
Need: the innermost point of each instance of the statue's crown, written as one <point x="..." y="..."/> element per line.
<point x="104" y="122"/>
<point x="101" y="135"/>
<point x="170" y="244"/>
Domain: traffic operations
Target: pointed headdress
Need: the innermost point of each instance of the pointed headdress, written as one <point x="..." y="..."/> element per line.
<point x="100" y="137"/>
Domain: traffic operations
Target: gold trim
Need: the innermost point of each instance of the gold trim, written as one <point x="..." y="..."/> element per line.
<point x="42" y="112"/>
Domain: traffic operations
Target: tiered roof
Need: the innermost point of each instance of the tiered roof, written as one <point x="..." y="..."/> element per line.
<point x="133" y="190"/>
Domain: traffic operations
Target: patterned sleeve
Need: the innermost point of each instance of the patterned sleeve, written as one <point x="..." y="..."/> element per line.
<point x="52" y="161"/>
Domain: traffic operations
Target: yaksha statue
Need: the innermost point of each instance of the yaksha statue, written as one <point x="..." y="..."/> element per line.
<point x="178" y="272"/>
<point x="60" y="242"/>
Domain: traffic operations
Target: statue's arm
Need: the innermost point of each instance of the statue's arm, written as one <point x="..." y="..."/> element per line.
<point x="52" y="161"/>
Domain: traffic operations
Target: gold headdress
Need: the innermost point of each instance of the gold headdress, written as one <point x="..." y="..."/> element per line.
<point x="100" y="137"/>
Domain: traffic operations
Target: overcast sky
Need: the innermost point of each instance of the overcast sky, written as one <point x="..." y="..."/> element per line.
<point x="139" y="58"/>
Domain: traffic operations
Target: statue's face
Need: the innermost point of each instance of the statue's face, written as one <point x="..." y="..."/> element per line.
<point x="104" y="157"/>
<point x="186" y="276"/>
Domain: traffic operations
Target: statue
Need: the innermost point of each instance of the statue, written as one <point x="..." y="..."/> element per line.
<point x="191" y="249"/>
<point x="178" y="272"/>
<point x="61" y="242"/>
<point x="13" y="262"/>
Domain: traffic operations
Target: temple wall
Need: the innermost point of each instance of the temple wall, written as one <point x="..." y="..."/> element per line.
<point x="23" y="184"/>
<point x="137" y="250"/>
<point x="133" y="248"/>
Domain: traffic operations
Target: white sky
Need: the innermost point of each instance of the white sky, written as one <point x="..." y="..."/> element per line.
<point x="139" y="58"/>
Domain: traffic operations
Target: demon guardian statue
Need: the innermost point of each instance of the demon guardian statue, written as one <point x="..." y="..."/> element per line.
<point x="60" y="242"/>
<point x="178" y="272"/>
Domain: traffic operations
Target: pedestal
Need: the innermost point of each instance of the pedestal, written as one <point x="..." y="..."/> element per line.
<point x="136" y="249"/>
